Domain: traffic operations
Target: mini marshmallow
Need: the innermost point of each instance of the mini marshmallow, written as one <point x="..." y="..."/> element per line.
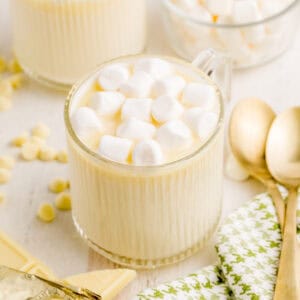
<point x="201" y="122"/>
<point x="136" y="129"/>
<point x="234" y="41"/>
<point x="173" y="135"/>
<point x="245" y="11"/>
<point x="111" y="77"/>
<point x="220" y="7"/>
<point x="200" y="94"/>
<point x="187" y="4"/>
<point x="256" y="34"/>
<point x="201" y="13"/>
<point x="85" y="122"/>
<point x="234" y="170"/>
<point x="171" y="85"/>
<point x="270" y="8"/>
<point x="147" y="153"/>
<point x="155" y="67"/>
<point x="166" y="108"/>
<point x="137" y="86"/>
<point x="107" y="103"/>
<point x="115" y="148"/>
<point x="137" y="108"/>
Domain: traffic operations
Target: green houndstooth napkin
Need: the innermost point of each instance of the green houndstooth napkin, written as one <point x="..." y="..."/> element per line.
<point x="207" y="283"/>
<point x="248" y="246"/>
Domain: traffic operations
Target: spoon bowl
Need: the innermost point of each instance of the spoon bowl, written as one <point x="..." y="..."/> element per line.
<point x="249" y="125"/>
<point x="283" y="148"/>
<point x="248" y="131"/>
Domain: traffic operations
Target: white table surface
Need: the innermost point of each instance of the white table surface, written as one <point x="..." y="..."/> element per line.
<point x="58" y="244"/>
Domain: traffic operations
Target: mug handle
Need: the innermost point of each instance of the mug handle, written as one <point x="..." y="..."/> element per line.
<point x="218" y="67"/>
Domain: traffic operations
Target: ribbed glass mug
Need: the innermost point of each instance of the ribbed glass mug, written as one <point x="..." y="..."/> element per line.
<point x="59" y="41"/>
<point x="145" y="217"/>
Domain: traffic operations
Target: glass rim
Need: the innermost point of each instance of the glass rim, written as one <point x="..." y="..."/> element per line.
<point x="94" y="155"/>
<point x="180" y="12"/>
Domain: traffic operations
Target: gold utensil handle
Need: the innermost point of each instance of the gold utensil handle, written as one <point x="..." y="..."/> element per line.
<point x="278" y="201"/>
<point x="287" y="284"/>
<point x="41" y="288"/>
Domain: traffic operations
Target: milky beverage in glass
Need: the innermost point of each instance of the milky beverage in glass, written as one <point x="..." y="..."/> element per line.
<point x="138" y="214"/>
<point x="59" y="41"/>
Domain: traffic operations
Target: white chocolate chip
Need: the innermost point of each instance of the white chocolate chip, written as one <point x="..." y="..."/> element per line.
<point x="7" y="162"/>
<point x="58" y="185"/>
<point x="16" y="80"/>
<point x="40" y="130"/>
<point x="14" y="66"/>
<point x="37" y="140"/>
<point x="20" y="140"/>
<point x="62" y="156"/>
<point x="46" y="213"/>
<point x="5" y="175"/>
<point x="30" y="151"/>
<point x="63" y="201"/>
<point x="46" y="153"/>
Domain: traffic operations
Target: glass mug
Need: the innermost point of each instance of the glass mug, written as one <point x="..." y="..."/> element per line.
<point x="59" y="41"/>
<point x="145" y="217"/>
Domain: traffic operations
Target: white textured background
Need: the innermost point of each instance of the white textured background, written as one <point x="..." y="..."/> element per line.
<point x="57" y="244"/>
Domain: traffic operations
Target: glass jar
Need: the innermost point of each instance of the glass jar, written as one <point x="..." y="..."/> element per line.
<point x="145" y="217"/>
<point x="58" y="41"/>
<point x="248" y="44"/>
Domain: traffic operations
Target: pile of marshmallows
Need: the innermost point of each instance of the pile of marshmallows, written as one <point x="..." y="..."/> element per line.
<point x="157" y="113"/>
<point x="232" y="11"/>
<point x="246" y="44"/>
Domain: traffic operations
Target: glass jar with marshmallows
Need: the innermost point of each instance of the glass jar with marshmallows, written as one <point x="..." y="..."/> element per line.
<point x="58" y="41"/>
<point x="251" y="31"/>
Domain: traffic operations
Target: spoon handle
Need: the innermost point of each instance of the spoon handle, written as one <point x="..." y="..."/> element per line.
<point x="277" y="201"/>
<point x="287" y="284"/>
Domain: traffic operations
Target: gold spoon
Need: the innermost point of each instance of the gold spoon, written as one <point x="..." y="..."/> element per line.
<point x="248" y="130"/>
<point x="283" y="159"/>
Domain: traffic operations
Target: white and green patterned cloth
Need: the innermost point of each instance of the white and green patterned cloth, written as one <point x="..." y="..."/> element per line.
<point x="205" y="284"/>
<point x="248" y="246"/>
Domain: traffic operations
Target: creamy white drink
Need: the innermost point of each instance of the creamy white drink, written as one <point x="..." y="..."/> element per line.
<point x="58" y="41"/>
<point x="145" y="138"/>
